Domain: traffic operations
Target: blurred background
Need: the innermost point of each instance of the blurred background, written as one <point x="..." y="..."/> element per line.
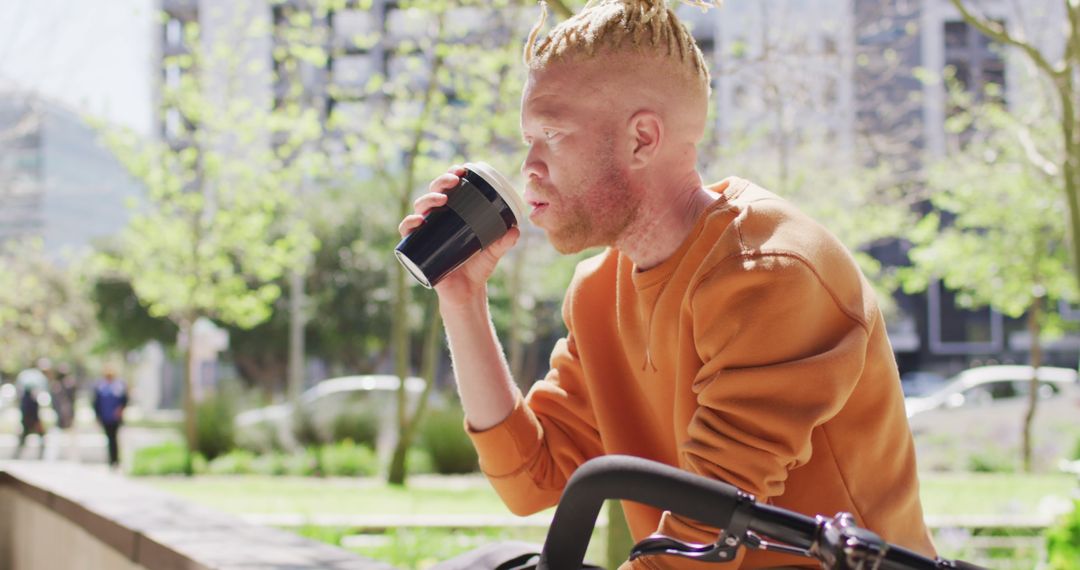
<point x="203" y="197"/>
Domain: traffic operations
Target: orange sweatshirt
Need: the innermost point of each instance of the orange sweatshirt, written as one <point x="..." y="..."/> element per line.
<point x="756" y="354"/>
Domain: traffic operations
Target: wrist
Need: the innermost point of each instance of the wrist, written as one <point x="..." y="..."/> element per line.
<point x="467" y="302"/>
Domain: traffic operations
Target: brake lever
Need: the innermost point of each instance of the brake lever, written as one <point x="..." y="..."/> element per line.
<point x="724" y="549"/>
<point x="660" y="544"/>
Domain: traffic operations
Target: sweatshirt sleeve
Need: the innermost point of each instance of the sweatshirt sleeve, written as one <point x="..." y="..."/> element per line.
<point x="530" y="455"/>
<point x="780" y="357"/>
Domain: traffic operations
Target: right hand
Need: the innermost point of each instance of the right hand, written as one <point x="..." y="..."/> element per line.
<point x="469" y="281"/>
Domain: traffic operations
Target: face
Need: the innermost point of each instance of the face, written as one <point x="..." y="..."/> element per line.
<point x="577" y="184"/>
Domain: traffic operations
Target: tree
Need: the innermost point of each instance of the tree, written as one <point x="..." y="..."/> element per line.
<point x="447" y="95"/>
<point x="795" y="123"/>
<point x="998" y="236"/>
<point x="209" y="240"/>
<point x="43" y="308"/>
<point x="1058" y="65"/>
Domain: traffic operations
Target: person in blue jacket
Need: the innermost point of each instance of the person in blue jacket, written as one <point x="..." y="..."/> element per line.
<point x="110" y="399"/>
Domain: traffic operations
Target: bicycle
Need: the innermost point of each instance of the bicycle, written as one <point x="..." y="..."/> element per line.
<point x="837" y="542"/>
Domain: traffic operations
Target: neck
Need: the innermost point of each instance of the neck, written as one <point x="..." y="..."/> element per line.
<point x="668" y="214"/>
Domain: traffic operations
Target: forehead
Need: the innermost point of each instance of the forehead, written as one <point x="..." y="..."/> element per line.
<point x="563" y="92"/>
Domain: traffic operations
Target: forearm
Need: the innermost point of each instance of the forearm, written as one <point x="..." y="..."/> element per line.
<point x="487" y="390"/>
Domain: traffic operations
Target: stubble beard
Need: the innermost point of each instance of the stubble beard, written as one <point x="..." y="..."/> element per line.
<point x="599" y="216"/>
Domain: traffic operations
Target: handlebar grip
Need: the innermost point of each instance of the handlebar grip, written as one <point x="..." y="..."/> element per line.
<point x="634" y="479"/>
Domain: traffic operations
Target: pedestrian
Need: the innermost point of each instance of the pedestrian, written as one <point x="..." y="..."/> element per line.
<point x="62" y="389"/>
<point x="29" y="383"/>
<point x="110" y="399"/>
<point x="721" y="331"/>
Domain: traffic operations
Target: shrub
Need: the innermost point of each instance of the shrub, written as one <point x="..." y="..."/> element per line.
<point x="270" y="463"/>
<point x="168" y="458"/>
<point x="989" y="462"/>
<point x="443" y="436"/>
<point x="214" y="429"/>
<point x="419" y="461"/>
<point x="235" y="462"/>
<point x="301" y="464"/>
<point x="259" y="439"/>
<point x="346" y="459"/>
<point x="306" y="430"/>
<point x="1063" y="542"/>
<point x="360" y="427"/>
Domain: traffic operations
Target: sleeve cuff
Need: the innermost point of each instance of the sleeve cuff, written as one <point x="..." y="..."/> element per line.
<point x="507" y="448"/>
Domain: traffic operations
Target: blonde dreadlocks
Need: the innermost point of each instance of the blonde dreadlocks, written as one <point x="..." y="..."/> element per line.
<point x="621" y="26"/>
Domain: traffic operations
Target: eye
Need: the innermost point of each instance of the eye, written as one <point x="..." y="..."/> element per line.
<point x="549" y="134"/>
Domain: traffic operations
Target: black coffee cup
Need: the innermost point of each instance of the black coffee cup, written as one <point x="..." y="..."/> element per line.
<point x="478" y="211"/>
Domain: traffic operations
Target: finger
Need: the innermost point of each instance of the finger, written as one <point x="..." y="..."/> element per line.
<point x="426" y="202"/>
<point x="503" y="244"/>
<point x="410" y="223"/>
<point x="445" y="182"/>
<point x="457" y="170"/>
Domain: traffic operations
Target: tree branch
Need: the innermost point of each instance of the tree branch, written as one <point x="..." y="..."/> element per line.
<point x="998" y="33"/>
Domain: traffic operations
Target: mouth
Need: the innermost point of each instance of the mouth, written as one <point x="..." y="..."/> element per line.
<point x="538" y="207"/>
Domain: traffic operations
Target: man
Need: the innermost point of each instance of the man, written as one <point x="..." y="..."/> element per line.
<point x="722" y="331"/>
<point x="110" y="399"/>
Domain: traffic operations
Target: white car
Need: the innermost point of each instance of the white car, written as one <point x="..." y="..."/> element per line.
<point x="976" y="420"/>
<point x="993" y="386"/>
<point x="331" y="398"/>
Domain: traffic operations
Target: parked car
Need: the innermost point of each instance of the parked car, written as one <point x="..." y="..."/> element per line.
<point x="993" y="385"/>
<point x="328" y="400"/>
<point x="975" y="421"/>
<point x="921" y="383"/>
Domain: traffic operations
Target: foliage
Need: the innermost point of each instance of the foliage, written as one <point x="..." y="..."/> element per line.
<point x="443" y="436"/>
<point x="998" y="236"/>
<point x="215" y="430"/>
<point x="1063" y="541"/>
<point x="420" y="462"/>
<point x="168" y="458"/>
<point x="307" y="430"/>
<point x="125" y="322"/>
<point x="261" y="438"/>
<point x="989" y="461"/>
<point x="235" y="462"/>
<point x="347" y="459"/>
<point x="217" y="227"/>
<point x="43" y="308"/>
<point x="360" y="427"/>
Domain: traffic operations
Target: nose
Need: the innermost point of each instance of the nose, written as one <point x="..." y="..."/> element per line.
<point x="533" y="165"/>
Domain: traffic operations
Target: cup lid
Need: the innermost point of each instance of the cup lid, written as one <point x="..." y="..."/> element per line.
<point x="502" y="186"/>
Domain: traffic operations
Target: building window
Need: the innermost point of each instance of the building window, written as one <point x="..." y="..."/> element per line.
<point x="955" y="330"/>
<point x="976" y="59"/>
<point x="174" y="33"/>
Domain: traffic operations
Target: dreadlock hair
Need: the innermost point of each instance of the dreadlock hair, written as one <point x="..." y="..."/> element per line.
<point x="646" y="27"/>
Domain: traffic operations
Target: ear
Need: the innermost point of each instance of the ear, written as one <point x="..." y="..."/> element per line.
<point x="646" y="132"/>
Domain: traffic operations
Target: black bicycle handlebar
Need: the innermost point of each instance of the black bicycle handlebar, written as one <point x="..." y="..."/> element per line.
<point x="705" y="500"/>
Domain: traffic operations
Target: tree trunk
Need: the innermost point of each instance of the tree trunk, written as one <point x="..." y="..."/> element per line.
<point x="1034" y="330"/>
<point x="400" y="338"/>
<point x="187" y="330"/>
<point x="399" y="465"/>
<point x="297" y="323"/>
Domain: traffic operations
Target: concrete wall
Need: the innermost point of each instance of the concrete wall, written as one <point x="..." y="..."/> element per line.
<point x="56" y="515"/>
<point x="35" y="536"/>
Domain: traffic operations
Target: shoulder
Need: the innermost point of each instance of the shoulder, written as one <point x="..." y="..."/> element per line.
<point x="765" y="239"/>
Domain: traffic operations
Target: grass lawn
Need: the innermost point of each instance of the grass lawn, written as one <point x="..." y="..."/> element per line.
<point x="942" y="493"/>
<point x="419" y="548"/>
<point x="991" y="493"/>
<point x="265" y="495"/>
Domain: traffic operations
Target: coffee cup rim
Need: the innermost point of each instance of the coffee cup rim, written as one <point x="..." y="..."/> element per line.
<point x="501" y="185"/>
